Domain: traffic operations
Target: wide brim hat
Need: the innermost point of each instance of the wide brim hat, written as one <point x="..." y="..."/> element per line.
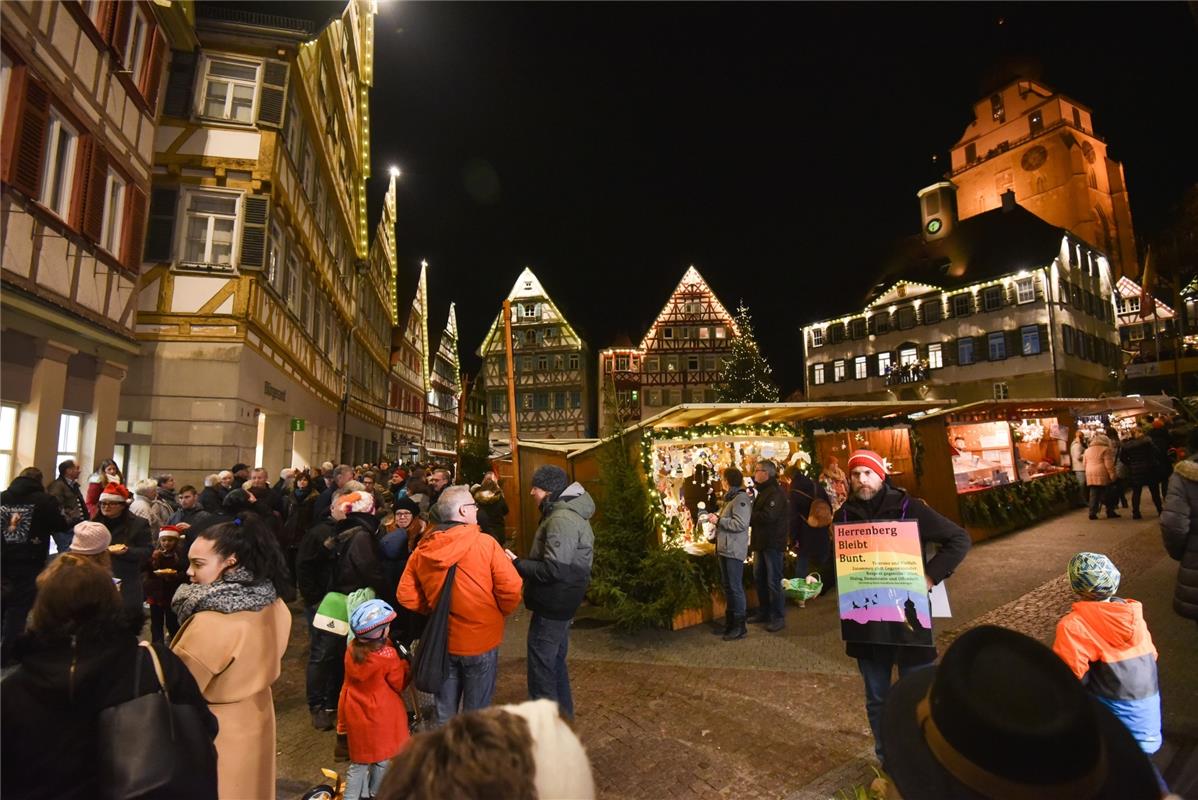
<point x="1003" y="717"/>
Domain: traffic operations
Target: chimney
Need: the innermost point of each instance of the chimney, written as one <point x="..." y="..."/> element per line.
<point x="1008" y="200"/>
<point x="938" y="210"/>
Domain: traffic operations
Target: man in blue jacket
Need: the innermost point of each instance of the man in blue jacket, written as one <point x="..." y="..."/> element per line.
<point x="556" y="573"/>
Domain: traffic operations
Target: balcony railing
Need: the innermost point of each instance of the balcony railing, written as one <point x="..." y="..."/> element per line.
<point x="907" y="373"/>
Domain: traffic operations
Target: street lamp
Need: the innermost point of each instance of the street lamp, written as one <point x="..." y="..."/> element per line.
<point x="395" y="173"/>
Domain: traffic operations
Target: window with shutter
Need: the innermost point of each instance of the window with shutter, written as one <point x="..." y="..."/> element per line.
<point x="180" y="80"/>
<point x="1067" y="339"/>
<point x="94" y="193"/>
<point x="272" y="97"/>
<point x="256" y="209"/>
<point x="152" y="76"/>
<point x="209" y="223"/>
<point x="112" y="213"/>
<point x="122" y="16"/>
<point x="135" y="228"/>
<point x="230" y="87"/>
<point x="25" y="133"/>
<point x="59" y="165"/>
<point x="160" y="234"/>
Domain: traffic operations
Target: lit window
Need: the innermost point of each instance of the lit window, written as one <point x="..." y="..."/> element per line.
<point x="883" y="363"/>
<point x="860" y="368"/>
<point x="837" y="371"/>
<point x="1001" y="392"/>
<point x="1025" y="290"/>
<point x="114" y="211"/>
<point x="997" y="112"/>
<point x="59" y="170"/>
<point x="276" y="267"/>
<point x="908" y="356"/>
<point x="210" y="220"/>
<point x="935" y="356"/>
<point x="8" y="442"/>
<point x="720" y="333"/>
<point x="530" y="311"/>
<point x="997" y="343"/>
<point x="574" y="361"/>
<point x="704" y="333"/>
<point x="1036" y="122"/>
<point x="671" y="363"/>
<point x="622" y="363"/>
<point x="229" y="89"/>
<point x="817" y="374"/>
<point x="965" y="350"/>
<point x="69" y="427"/>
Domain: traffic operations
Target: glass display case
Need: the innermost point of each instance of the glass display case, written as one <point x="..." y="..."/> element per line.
<point x="982" y="456"/>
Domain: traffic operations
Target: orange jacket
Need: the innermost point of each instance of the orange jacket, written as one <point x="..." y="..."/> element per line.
<point x="486" y="588"/>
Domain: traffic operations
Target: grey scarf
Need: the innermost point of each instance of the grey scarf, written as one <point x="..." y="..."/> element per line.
<point x="236" y="590"/>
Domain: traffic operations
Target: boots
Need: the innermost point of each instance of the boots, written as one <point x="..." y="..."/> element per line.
<point x="724" y="631"/>
<point x="736" y="628"/>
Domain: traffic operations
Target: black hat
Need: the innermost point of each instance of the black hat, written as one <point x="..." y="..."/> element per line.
<point x="550" y="478"/>
<point x="407" y="504"/>
<point x="1004" y="717"/>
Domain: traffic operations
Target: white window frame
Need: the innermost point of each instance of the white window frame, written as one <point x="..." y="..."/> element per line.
<point x="10" y="416"/>
<point x="1031" y="331"/>
<point x="55" y="176"/>
<point x="883" y="364"/>
<point x="1025" y="290"/>
<point x="70" y="436"/>
<point x="528" y="311"/>
<point x="1132" y="304"/>
<point x="277" y="260"/>
<point x="114" y="211"/>
<point x="817" y="337"/>
<point x="185" y="215"/>
<point x="817" y="374"/>
<point x="860" y="368"/>
<point x="1135" y="333"/>
<point x="205" y="77"/>
<point x="134" y="47"/>
<point x="1001" y="391"/>
<point x="838" y="370"/>
<point x="622" y="363"/>
<point x="992" y="292"/>
<point x="935" y="356"/>
<point x="994" y="338"/>
<point x="909" y="355"/>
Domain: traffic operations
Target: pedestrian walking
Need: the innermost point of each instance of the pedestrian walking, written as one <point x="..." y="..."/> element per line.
<point x="871" y="499"/>
<point x="1179" y="528"/>
<point x="371" y="707"/>
<point x="810" y="517"/>
<point x="65" y="489"/>
<point x="732" y="548"/>
<point x="164" y="573"/>
<point x="486" y="589"/>
<point x="1142" y="462"/>
<point x="1100" y="473"/>
<point x="130" y="548"/>
<point x="1077" y="454"/>
<point x="767" y="539"/>
<point x="1158" y="432"/>
<point x="556" y="573"/>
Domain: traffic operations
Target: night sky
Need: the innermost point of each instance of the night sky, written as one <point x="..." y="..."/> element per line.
<point x="778" y="147"/>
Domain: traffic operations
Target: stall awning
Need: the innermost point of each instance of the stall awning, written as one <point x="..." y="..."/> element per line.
<point x="1024" y="408"/>
<point x="564" y="446"/>
<point x="759" y="413"/>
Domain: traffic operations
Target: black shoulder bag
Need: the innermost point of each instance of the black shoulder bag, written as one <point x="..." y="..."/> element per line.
<point x="152" y="748"/>
<point x="430" y="668"/>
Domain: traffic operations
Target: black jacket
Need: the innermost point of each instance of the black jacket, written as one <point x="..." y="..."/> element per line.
<point x="133" y="531"/>
<point x="358" y="562"/>
<point x="50" y="705"/>
<point x="212" y="498"/>
<point x="492" y="508"/>
<point x="28" y="515"/>
<point x="315" y="564"/>
<point x="952" y="542"/>
<point x="1179" y="527"/>
<point x="815" y="543"/>
<point x="1144" y="463"/>
<point x="771" y="518"/>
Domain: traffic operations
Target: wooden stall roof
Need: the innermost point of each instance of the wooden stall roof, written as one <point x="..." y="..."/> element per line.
<point x="564" y="446"/>
<point x="1008" y="409"/>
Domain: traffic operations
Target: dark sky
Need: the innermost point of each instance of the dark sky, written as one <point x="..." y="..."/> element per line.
<point x="776" y="147"/>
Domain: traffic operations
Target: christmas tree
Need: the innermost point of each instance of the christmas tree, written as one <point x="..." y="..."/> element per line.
<point x="746" y="376"/>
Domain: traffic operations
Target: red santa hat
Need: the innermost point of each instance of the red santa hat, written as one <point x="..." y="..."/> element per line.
<point x="170" y="532"/>
<point x="868" y="458"/>
<point x="114" y="493"/>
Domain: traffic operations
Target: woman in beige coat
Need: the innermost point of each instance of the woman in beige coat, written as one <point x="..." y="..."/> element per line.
<point x="233" y="631"/>
<point x="1099" y="460"/>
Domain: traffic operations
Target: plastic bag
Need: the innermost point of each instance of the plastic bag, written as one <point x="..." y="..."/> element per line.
<point x="803" y="588"/>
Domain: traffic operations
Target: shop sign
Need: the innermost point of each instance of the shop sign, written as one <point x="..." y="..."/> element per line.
<point x="297" y="424"/>
<point x="275" y="392"/>
<point x="880" y="580"/>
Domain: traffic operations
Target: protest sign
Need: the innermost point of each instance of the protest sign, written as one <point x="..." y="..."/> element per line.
<point x="881" y="583"/>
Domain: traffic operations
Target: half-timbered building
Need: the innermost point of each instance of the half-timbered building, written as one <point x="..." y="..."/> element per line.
<point x="265" y="325"/>
<point x="443" y="410"/>
<point x="80" y="83"/>
<point x="552" y="385"/>
<point x="410" y="375"/>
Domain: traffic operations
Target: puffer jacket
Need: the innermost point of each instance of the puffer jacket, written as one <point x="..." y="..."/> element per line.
<point x="1141" y="459"/>
<point x="732" y="528"/>
<point x="771" y="518"/>
<point x="1109" y="649"/>
<point x="1099" y="461"/>
<point x="1179" y="527"/>
<point x="558" y="566"/>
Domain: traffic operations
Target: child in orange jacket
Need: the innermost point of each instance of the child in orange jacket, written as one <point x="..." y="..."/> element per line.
<point x="371" y="708"/>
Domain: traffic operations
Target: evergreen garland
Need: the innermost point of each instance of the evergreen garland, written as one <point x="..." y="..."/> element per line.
<point x="1018" y="504"/>
<point x="746" y="376"/>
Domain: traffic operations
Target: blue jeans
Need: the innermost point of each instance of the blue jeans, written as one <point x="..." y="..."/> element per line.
<point x="767" y="572"/>
<point x="732" y="571"/>
<point x="326" y="668"/>
<point x="62" y="540"/>
<point x="469" y="685"/>
<point x="548" y="677"/>
<point x="876" y="674"/>
<point x="364" y="780"/>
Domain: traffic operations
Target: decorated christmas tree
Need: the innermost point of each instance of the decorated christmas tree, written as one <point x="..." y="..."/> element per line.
<point x="746" y="376"/>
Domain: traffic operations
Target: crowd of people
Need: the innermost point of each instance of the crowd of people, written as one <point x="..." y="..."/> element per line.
<point x="1109" y="466"/>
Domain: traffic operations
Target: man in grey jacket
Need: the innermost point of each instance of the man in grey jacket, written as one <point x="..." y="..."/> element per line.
<point x="556" y="573"/>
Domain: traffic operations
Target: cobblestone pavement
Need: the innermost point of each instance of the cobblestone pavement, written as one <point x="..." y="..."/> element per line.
<point x="681" y="714"/>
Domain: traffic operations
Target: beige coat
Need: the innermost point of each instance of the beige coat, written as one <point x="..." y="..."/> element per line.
<point x="235" y="658"/>
<point x="1099" y="462"/>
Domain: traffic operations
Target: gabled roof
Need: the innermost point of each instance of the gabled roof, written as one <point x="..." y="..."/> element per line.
<point x="691" y="280"/>
<point x="1129" y="288"/>
<point x="526" y="286"/>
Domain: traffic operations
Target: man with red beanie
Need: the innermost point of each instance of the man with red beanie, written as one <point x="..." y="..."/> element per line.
<point x="872" y="499"/>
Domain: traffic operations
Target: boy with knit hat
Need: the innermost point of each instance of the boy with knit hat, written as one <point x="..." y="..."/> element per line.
<point x="1106" y="643"/>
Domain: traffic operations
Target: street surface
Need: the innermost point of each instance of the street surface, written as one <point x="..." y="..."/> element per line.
<point x="684" y="715"/>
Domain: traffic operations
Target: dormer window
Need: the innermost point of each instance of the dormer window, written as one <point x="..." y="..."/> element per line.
<point x="997" y="112"/>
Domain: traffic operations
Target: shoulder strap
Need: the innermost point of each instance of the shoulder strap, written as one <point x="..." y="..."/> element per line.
<point x="906" y="502"/>
<point x="157" y="669"/>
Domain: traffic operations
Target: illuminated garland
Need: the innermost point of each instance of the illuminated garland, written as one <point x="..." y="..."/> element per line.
<point x="1019" y="504"/>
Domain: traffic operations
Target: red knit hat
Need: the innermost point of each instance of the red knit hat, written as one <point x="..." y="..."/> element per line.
<point x="868" y="458"/>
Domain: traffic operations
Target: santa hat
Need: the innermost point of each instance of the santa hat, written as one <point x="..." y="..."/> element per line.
<point x="114" y="493"/>
<point x="868" y="458"/>
<point x="170" y="532"/>
<point x="360" y="502"/>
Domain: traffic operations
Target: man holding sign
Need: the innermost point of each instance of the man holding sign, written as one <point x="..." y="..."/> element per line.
<point x="882" y="534"/>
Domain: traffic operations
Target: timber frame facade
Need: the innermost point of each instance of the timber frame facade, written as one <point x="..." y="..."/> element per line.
<point x="552" y="385"/>
<point x="263" y="321"/>
<point x="443" y="409"/>
<point x="409" y="376"/>
<point x="678" y="361"/>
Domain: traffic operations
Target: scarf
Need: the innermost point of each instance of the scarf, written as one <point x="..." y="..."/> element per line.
<point x="236" y="590"/>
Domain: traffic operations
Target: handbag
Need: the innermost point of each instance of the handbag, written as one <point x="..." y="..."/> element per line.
<point x="820" y="513"/>
<point x="152" y="748"/>
<point x="430" y="668"/>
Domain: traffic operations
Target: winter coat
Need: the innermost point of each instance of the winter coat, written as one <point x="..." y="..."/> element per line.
<point x="486" y="586"/>
<point x="1109" y="649"/>
<point x="492" y="509"/>
<point x="358" y="563"/>
<point x="557" y="569"/>
<point x="1143" y="463"/>
<point x="155" y="512"/>
<point x="70" y="498"/>
<point x="891" y="503"/>
<point x="160" y="589"/>
<point x="732" y="528"/>
<point x="212" y="498"/>
<point x="50" y="707"/>
<point x="300" y="515"/>
<point x="234" y="659"/>
<point x="28" y="515"/>
<point x="315" y="564"/>
<point x="1099" y="462"/>
<point x="1179" y="527"/>
<point x="1077" y="452"/>
<point x="168" y="496"/>
<point x="814" y="543"/>
<point x="371" y="706"/>
<point x="95" y="488"/>
<point x="134" y="532"/>
<point x="771" y="518"/>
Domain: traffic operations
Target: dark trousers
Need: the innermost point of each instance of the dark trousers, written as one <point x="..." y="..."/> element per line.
<point x="326" y="668"/>
<point x="1102" y="496"/>
<point x="158" y="616"/>
<point x="1153" y="489"/>
<point x="18" y="600"/>
<point x="469" y="686"/>
<point x="875" y="672"/>
<point x="732" y="572"/>
<point x="548" y="676"/>
<point x="767" y="573"/>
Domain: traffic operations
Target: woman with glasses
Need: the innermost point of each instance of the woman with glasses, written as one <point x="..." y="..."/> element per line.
<point x="131" y="544"/>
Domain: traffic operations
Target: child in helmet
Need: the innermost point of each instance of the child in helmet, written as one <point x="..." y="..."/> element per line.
<point x="371" y="708"/>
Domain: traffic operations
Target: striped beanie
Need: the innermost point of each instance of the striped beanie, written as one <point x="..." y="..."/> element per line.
<point x="1093" y="576"/>
<point x="868" y="458"/>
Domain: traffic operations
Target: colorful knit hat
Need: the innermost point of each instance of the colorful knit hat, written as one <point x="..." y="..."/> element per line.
<point x="1093" y="576"/>
<point x="114" y="493"/>
<point x="370" y="619"/>
<point x="868" y="458"/>
<point x="360" y="502"/>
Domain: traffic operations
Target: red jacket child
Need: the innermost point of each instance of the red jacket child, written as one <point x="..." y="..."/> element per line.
<point x="371" y="709"/>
